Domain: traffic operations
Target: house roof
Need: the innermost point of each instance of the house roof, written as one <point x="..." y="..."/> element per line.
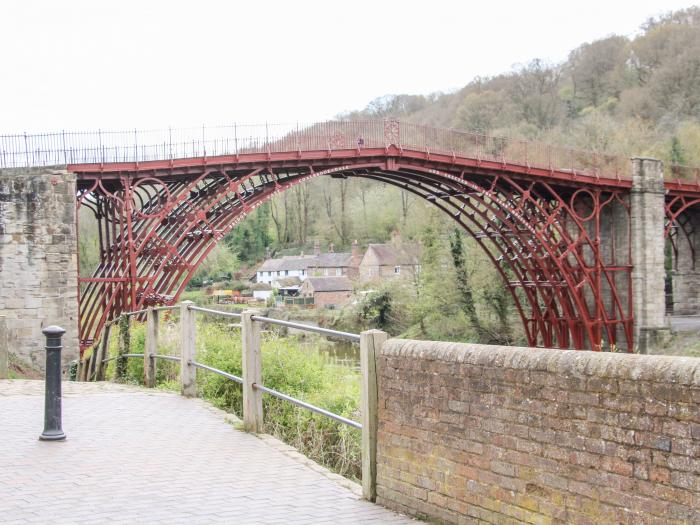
<point x="288" y="262"/>
<point x="304" y="262"/>
<point x="285" y="282"/>
<point x="390" y="255"/>
<point x="329" y="284"/>
<point x="333" y="260"/>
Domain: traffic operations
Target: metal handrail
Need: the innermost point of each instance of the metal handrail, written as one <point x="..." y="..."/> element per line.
<point x="136" y="312"/>
<point x="232" y="377"/>
<point x="120" y="357"/>
<point x="308" y="406"/>
<point x="301" y="326"/>
<point x="167" y="357"/>
<point x="162" y="308"/>
<point x="262" y="388"/>
<point x="216" y="312"/>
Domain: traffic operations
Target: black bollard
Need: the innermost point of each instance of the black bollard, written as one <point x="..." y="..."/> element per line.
<point x="52" y="400"/>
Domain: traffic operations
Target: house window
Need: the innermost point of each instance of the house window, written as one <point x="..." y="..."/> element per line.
<point x="303" y="272"/>
<point x="339" y="271"/>
<point x="397" y="270"/>
<point x="286" y="272"/>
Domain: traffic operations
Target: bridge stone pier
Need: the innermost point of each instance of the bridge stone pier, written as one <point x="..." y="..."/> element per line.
<point x="685" y="273"/>
<point x="648" y="275"/>
<point x="38" y="260"/>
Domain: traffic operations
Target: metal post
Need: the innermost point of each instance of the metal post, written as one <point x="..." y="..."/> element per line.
<point x="151" y="348"/>
<point x="52" y="400"/>
<point x="26" y="149"/>
<point x="188" y="372"/>
<point x="252" y="372"/>
<point x="371" y="342"/>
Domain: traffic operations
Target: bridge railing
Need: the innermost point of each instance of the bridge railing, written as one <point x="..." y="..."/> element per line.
<point x="100" y="147"/>
<point x="251" y="323"/>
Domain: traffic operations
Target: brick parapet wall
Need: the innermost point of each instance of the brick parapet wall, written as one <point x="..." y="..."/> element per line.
<point x="472" y="434"/>
<point x="38" y="260"/>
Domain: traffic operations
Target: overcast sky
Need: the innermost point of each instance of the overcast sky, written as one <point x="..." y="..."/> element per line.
<point x="123" y="64"/>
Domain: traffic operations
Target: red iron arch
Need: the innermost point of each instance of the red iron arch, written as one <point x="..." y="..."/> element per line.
<point x="540" y="227"/>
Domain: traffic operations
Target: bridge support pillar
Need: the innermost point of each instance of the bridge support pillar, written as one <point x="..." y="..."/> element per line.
<point x="648" y="215"/>
<point x="686" y="273"/>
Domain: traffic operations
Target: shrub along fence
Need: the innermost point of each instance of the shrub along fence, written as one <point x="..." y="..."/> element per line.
<point x="251" y="378"/>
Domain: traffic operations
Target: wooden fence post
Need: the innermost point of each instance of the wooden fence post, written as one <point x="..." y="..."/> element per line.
<point x="103" y="354"/>
<point x="371" y="342"/>
<point x="124" y="346"/>
<point x="252" y="372"/>
<point x="188" y="373"/>
<point x="4" y="349"/>
<point x="150" y="348"/>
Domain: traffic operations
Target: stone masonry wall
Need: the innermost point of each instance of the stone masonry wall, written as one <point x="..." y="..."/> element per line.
<point x="481" y="434"/>
<point x="647" y="221"/>
<point x="38" y="260"/>
<point x="686" y="272"/>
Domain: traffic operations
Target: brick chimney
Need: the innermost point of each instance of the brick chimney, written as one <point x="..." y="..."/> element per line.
<point x="331" y="248"/>
<point x="355" y="250"/>
<point x="317" y="247"/>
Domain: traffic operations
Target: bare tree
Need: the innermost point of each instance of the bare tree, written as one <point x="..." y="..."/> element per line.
<point x="302" y="195"/>
<point x="338" y="221"/>
<point x="405" y="205"/>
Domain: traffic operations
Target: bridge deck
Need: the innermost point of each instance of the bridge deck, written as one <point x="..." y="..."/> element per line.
<point x="136" y="456"/>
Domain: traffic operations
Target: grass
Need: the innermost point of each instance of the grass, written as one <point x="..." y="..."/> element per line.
<point x="290" y="365"/>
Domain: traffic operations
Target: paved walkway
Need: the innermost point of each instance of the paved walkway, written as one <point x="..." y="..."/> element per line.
<point x="141" y="456"/>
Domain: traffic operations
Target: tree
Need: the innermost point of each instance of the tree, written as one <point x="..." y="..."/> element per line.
<point x="676" y="156"/>
<point x="535" y="93"/>
<point x="338" y="218"/>
<point x="463" y="282"/>
<point x="250" y="238"/>
<point x="598" y="70"/>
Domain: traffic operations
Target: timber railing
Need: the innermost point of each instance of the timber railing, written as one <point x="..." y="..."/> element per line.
<point x="138" y="146"/>
<point x="251" y="323"/>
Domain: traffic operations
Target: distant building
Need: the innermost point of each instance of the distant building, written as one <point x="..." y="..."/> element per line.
<point x="287" y="266"/>
<point x="287" y="286"/>
<point x="334" y="264"/>
<point x="319" y="264"/>
<point x="394" y="259"/>
<point x="327" y="292"/>
<point x="261" y="291"/>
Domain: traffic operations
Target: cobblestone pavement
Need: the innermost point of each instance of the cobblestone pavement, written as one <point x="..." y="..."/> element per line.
<point x="145" y="456"/>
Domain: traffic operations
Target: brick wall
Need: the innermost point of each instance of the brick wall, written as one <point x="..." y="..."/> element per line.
<point x="323" y="299"/>
<point x="474" y="434"/>
<point x="38" y="260"/>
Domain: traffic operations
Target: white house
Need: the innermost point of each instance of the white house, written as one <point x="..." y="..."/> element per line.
<point x="287" y="266"/>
